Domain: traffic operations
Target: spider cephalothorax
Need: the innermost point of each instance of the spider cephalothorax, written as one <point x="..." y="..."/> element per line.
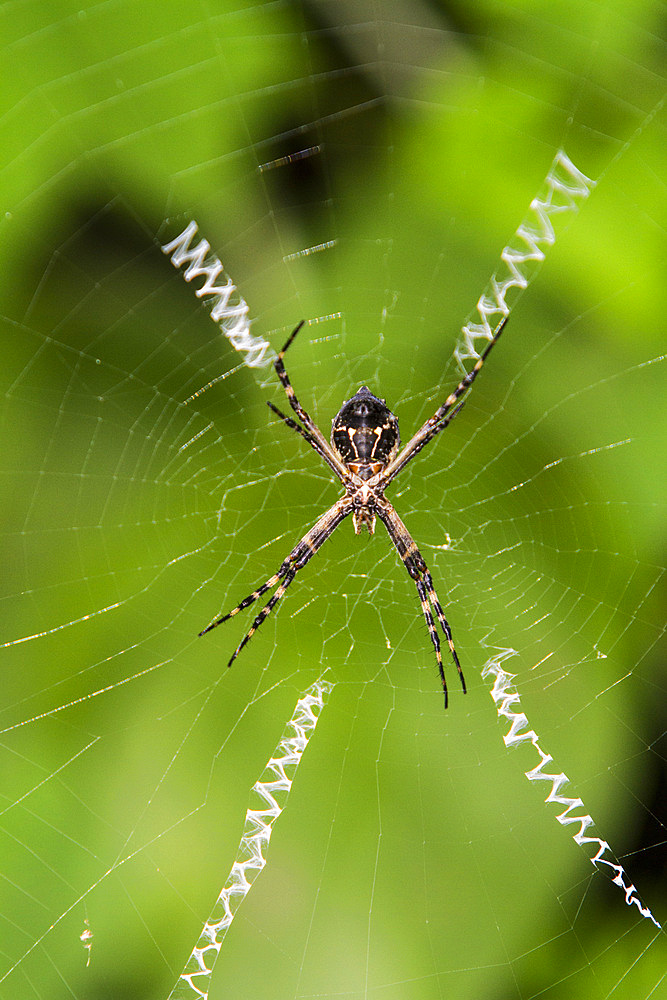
<point x="364" y="454"/>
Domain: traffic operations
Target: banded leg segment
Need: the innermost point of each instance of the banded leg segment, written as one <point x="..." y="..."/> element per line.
<point x="266" y="610"/>
<point x="251" y="598"/>
<point x="313" y="442"/>
<point x="444" y="624"/>
<point x="418" y="570"/>
<point x="424" y="440"/>
<point x="432" y="630"/>
<point x="302" y="552"/>
<point x="442" y="417"/>
<point x="310" y="425"/>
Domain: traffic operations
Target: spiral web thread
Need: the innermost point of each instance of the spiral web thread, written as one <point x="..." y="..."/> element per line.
<point x="270" y="794"/>
<point x="562" y="192"/>
<point x="506" y="697"/>
<point x="229" y="309"/>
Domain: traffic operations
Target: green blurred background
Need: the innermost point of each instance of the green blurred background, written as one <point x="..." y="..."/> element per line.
<point x="414" y="860"/>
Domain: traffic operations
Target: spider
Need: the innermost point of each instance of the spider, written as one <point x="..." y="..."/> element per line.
<point x="364" y="454"/>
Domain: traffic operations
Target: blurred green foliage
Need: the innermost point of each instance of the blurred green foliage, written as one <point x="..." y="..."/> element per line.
<point x="414" y="860"/>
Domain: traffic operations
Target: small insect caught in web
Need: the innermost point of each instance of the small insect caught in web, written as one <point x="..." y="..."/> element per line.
<point x="86" y="939"/>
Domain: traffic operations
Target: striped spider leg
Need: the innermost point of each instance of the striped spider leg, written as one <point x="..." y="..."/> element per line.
<point x="364" y="454"/>
<point x="418" y="570"/>
<point x="442" y="417"/>
<point x="302" y="552"/>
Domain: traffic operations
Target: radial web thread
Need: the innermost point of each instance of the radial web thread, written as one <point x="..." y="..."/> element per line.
<point x="564" y="189"/>
<point x="506" y="697"/>
<point x="269" y="795"/>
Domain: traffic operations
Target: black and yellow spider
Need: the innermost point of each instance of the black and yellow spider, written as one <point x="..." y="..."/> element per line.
<point x="364" y="454"/>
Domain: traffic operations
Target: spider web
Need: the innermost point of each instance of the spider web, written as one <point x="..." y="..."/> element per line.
<point x="361" y="167"/>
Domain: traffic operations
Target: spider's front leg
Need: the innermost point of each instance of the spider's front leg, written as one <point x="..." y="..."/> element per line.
<point x="312" y="433"/>
<point x="444" y="415"/>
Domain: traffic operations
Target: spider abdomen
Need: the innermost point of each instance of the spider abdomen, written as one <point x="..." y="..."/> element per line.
<point x="365" y="434"/>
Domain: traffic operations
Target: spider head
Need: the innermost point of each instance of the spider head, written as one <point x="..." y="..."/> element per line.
<point x="365" y="434"/>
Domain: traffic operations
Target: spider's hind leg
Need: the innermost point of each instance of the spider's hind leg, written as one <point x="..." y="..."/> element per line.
<point x="301" y="554"/>
<point x="250" y="599"/>
<point x="444" y="624"/>
<point x="262" y="615"/>
<point x="432" y="631"/>
<point x="418" y="570"/>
